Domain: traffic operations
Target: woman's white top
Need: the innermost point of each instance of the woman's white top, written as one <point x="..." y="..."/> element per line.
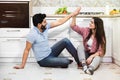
<point x="89" y="43"/>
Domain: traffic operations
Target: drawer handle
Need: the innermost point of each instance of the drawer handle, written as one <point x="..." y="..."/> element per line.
<point x="13" y="30"/>
<point x="52" y="39"/>
<point x="13" y="40"/>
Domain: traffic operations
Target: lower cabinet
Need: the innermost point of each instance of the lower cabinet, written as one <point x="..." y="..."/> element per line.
<point x="116" y="40"/>
<point x="11" y="49"/>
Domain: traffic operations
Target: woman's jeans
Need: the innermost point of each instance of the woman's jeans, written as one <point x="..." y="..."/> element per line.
<point x="83" y="56"/>
<point x="54" y="61"/>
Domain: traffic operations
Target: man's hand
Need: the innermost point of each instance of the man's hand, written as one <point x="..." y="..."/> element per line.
<point x="18" y="67"/>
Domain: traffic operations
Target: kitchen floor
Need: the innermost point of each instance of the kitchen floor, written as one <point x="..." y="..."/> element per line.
<point x="32" y="71"/>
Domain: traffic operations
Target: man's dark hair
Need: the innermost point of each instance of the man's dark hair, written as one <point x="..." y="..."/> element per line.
<point x="38" y="18"/>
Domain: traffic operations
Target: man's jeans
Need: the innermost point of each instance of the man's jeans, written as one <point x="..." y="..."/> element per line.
<point x="54" y="61"/>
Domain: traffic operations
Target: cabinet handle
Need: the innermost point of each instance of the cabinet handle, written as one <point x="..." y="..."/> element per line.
<point x="86" y="19"/>
<point x="13" y="30"/>
<point x="53" y="39"/>
<point x="13" y="40"/>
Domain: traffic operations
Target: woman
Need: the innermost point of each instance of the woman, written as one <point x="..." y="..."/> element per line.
<point x="94" y="44"/>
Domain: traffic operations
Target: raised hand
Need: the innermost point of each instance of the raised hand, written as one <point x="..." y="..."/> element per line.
<point x="77" y="11"/>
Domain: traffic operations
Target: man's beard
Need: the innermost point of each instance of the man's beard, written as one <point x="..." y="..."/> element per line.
<point x="43" y="28"/>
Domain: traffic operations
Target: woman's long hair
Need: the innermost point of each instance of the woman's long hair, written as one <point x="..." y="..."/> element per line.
<point x="100" y="33"/>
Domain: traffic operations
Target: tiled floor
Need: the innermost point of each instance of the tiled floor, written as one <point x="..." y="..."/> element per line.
<point x="32" y="71"/>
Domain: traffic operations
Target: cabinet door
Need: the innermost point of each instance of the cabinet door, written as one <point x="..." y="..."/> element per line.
<point x="12" y="47"/>
<point x="51" y="43"/>
<point x="61" y="31"/>
<point x="56" y="32"/>
<point x="82" y="22"/>
<point x="116" y="40"/>
<point x="108" y="32"/>
<point x="13" y="32"/>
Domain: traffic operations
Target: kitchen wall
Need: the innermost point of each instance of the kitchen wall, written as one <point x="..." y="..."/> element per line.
<point x="76" y="3"/>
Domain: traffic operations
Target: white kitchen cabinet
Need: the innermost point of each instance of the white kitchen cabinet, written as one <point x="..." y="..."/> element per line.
<point x="12" y="47"/>
<point x="14" y="32"/>
<point x="108" y="32"/>
<point x="116" y="40"/>
<point x="59" y="33"/>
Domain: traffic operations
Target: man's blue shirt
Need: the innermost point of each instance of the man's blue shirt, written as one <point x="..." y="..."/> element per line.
<point x="39" y="41"/>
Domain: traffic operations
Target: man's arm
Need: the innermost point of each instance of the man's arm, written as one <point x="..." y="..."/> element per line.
<point x="63" y="20"/>
<point x="25" y="56"/>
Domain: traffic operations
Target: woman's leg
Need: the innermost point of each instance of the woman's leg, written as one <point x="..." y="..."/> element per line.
<point x="81" y="53"/>
<point x="95" y="62"/>
<point x="94" y="65"/>
<point x="82" y="56"/>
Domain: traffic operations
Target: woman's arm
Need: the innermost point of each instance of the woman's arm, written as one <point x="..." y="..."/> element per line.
<point x="90" y="58"/>
<point x="100" y="52"/>
<point x="73" y="23"/>
<point x="25" y="56"/>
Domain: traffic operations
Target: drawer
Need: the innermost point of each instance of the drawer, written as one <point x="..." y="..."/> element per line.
<point x="9" y="32"/>
<point x="12" y="47"/>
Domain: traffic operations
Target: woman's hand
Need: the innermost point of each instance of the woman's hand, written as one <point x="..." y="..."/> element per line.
<point x="18" y="67"/>
<point x="77" y="11"/>
<point x="89" y="59"/>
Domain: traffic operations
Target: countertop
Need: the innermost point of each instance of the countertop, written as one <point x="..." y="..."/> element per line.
<point x="85" y="16"/>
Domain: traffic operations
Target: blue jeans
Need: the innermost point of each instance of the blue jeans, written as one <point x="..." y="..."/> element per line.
<point x="54" y="61"/>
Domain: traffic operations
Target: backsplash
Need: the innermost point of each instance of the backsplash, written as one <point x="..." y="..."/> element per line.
<point x="75" y="3"/>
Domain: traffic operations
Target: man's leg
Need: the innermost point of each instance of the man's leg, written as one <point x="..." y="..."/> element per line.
<point x="62" y="44"/>
<point x="54" y="62"/>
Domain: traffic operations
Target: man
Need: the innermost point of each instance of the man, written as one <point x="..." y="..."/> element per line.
<point x="37" y="39"/>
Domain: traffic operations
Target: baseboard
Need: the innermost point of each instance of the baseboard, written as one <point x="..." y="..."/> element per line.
<point x="107" y="59"/>
<point x="32" y="59"/>
<point x="17" y="59"/>
<point x="116" y="61"/>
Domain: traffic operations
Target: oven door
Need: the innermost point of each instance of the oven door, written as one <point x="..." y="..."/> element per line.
<point x="14" y="14"/>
